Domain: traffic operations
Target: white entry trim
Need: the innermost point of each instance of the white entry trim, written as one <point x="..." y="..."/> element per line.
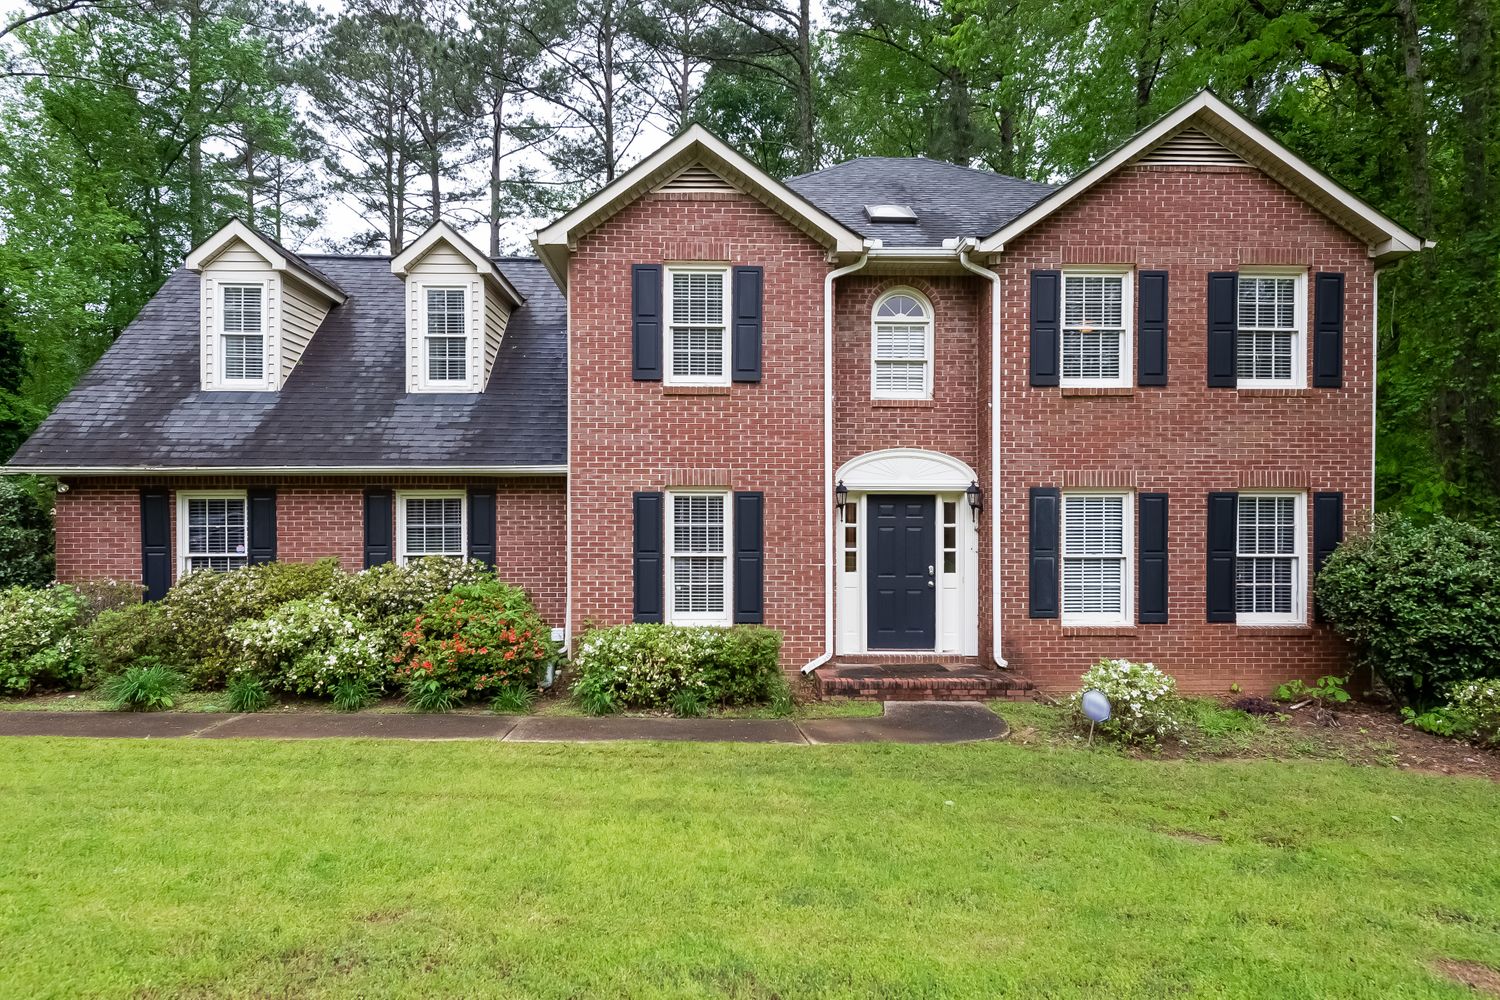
<point x="914" y="471"/>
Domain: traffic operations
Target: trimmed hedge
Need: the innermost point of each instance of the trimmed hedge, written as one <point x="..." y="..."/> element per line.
<point x="646" y="666"/>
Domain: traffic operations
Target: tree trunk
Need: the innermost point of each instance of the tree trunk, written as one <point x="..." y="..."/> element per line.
<point x="197" y="200"/>
<point x="1475" y="69"/>
<point x="1416" y="114"/>
<point x="1007" y="141"/>
<point x="497" y="136"/>
<point x="807" y="155"/>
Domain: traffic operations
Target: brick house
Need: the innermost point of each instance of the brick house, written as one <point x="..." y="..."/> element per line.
<point x="928" y="421"/>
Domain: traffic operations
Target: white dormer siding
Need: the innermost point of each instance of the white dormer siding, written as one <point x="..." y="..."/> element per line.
<point x="268" y="296"/>
<point x="444" y="272"/>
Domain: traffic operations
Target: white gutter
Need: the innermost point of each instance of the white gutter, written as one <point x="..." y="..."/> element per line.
<point x="289" y="470"/>
<point x="828" y="521"/>
<point x="995" y="618"/>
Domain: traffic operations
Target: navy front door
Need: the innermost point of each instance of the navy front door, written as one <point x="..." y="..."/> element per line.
<point x="902" y="611"/>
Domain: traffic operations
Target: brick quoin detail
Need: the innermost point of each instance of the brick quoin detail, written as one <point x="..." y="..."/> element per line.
<point x="99" y="526"/>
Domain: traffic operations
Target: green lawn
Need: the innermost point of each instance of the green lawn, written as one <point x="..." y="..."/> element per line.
<point x="468" y="869"/>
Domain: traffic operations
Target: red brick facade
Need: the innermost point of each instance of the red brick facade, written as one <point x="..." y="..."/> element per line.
<point x="99" y="525"/>
<point x="1184" y="439"/>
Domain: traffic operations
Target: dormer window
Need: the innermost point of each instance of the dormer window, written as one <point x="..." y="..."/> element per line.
<point x="243" y="333"/>
<point x="447" y="338"/>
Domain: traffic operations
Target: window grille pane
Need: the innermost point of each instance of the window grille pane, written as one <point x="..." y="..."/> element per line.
<point x="1093" y="586"/>
<point x="1267" y="525"/>
<point x="1094" y="301"/>
<point x="447" y="359"/>
<point x="1266" y="340"/>
<point x="900" y="307"/>
<point x="215" y="533"/>
<point x="1093" y="525"/>
<point x="434" y="526"/>
<point x="697" y="351"/>
<point x="698" y="524"/>
<point x="901" y="376"/>
<point x="1268" y="303"/>
<point x="698" y="585"/>
<point x="1265" y="585"/>
<point x="242" y="308"/>
<point x="900" y="342"/>
<point x="244" y="356"/>
<point x="1091" y="354"/>
<point x="445" y="312"/>
<point x="698" y="298"/>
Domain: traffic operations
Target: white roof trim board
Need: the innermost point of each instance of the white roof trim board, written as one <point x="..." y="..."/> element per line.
<point x="1220" y="122"/>
<point x="234" y="230"/>
<point x="695" y="144"/>
<point x="289" y="470"/>
<point x="441" y="232"/>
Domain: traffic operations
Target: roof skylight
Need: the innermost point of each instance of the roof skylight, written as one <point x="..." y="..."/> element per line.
<point x="890" y="213"/>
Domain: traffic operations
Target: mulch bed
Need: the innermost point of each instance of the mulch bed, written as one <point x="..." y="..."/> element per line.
<point x="1374" y="734"/>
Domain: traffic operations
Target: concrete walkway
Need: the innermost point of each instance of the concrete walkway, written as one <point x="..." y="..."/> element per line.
<point x="903" y="722"/>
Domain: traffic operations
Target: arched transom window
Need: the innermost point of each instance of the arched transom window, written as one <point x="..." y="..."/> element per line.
<point x="902" y="349"/>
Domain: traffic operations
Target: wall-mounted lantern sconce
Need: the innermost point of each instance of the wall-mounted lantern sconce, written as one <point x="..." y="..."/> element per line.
<point x="976" y="498"/>
<point x="840" y="497"/>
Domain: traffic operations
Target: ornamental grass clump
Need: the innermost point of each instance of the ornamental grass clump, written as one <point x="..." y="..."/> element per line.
<point x="1144" y="706"/>
<point x="309" y="647"/>
<point x="40" y="644"/>
<point x="475" y="641"/>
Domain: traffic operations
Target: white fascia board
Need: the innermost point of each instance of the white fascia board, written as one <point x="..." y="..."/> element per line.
<point x="290" y="470"/>
<point x="1225" y="119"/>
<point x="441" y="232"/>
<point x="233" y="230"/>
<point x="554" y="242"/>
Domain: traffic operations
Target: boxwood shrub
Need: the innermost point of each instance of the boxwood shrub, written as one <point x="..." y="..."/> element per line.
<point x="648" y="666"/>
<point x="1420" y="602"/>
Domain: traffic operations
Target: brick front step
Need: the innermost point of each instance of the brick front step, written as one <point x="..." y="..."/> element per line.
<point x="918" y="682"/>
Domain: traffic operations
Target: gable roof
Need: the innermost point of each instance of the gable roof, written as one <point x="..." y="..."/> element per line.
<point x="695" y="144"/>
<point x="1212" y="117"/>
<point x="949" y="201"/>
<point x="278" y="256"/>
<point x="344" y="407"/>
<point x="441" y="232"/>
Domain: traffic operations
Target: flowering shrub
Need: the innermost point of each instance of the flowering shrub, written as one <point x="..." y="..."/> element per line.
<point x="199" y="612"/>
<point x="39" y="644"/>
<point x="309" y="647"/>
<point x="1144" y="706"/>
<point x="121" y="637"/>
<point x="1477" y="703"/>
<point x="475" y="640"/>
<point x="389" y="596"/>
<point x="648" y="665"/>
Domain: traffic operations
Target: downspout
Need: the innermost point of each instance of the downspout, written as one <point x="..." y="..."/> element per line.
<point x="828" y="522"/>
<point x="964" y="247"/>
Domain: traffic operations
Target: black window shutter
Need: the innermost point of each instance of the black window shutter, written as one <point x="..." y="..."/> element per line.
<point x="156" y="543"/>
<point x="649" y="557"/>
<point x="646" y="322"/>
<point x="749" y="558"/>
<point x="1046" y="326"/>
<point x="1046" y="502"/>
<point x="380" y="527"/>
<point x="262" y="528"/>
<point x="1151" y="335"/>
<point x="1152" y="516"/>
<point x="1328" y="530"/>
<point x="1223" y="509"/>
<point x="1223" y="297"/>
<point x="482" y="526"/>
<point x="748" y="323"/>
<point x="1328" y="331"/>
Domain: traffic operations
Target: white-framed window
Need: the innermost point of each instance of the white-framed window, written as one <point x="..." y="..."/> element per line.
<point x="698" y="533"/>
<point x="212" y="531"/>
<point x="1270" y="337"/>
<point x="697" y="337"/>
<point x="1096" y="327"/>
<point x="242" y="333"/>
<point x="431" y="523"/>
<point x="1096" y="556"/>
<point x="1270" y="562"/>
<point x="950" y="536"/>
<point x="851" y="536"/>
<point x="901" y="346"/>
<point x="445" y="336"/>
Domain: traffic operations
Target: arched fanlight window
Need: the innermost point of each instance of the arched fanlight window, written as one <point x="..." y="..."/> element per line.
<point x="901" y="354"/>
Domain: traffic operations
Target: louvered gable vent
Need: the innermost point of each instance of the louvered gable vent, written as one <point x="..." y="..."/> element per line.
<point x="1191" y="147"/>
<point x="696" y="178"/>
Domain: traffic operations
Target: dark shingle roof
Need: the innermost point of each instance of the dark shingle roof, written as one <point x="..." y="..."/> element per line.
<point x="300" y="262"/>
<point x="345" y="405"/>
<point x="950" y="200"/>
